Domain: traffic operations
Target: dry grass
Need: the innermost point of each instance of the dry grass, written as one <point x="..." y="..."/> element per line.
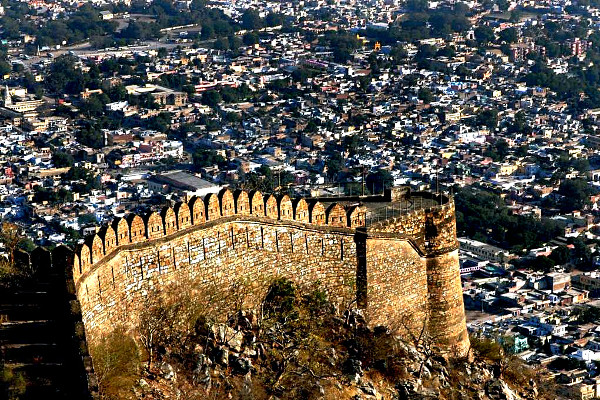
<point x="117" y="365"/>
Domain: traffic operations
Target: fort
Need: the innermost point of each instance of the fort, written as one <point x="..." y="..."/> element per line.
<point x="401" y="271"/>
<point x="394" y="255"/>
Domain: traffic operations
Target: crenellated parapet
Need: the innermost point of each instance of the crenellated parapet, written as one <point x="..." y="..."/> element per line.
<point x="431" y="227"/>
<point x="214" y="207"/>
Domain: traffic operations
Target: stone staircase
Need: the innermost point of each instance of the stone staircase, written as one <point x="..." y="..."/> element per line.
<point x="34" y="339"/>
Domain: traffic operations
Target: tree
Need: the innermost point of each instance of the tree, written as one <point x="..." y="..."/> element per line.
<point x="560" y="255"/>
<point x="341" y="54"/>
<point x="118" y="93"/>
<point x="251" y="19"/>
<point x="189" y="89"/>
<point x="162" y="52"/>
<point x="13" y="385"/>
<point x="581" y="164"/>
<point x="64" y="77"/>
<point x="211" y="98"/>
<point x="484" y="34"/>
<point x="582" y="254"/>
<point x="502" y="5"/>
<point x="10" y="237"/>
<point x="398" y="54"/>
<point x="300" y="75"/>
<point x="135" y="30"/>
<point x="421" y="335"/>
<point x="448" y="51"/>
<point x="234" y="42"/>
<point x="425" y="95"/>
<point x="479" y="212"/>
<point x="417" y="5"/>
<point x="5" y="68"/>
<point x="463" y="71"/>
<point x="85" y="219"/>
<point x="82" y="180"/>
<point x="587" y="314"/>
<point x="61" y="159"/>
<point x="342" y="44"/>
<point x="101" y="42"/>
<point x="424" y="52"/>
<point x="334" y="165"/>
<point x="274" y="19"/>
<point x="221" y="44"/>
<point x="92" y="107"/>
<point x="509" y="35"/>
<point x="576" y="194"/>
<point x="59" y="196"/>
<point x="364" y="82"/>
<point x="10" y="28"/>
<point x="91" y="136"/>
<point x="488" y="117"/>
<point x="250" y="39"/>
<point x="297" y="325"/>
<point x="208" y="31"/>
<point x="171" y="321"/>
<point x="498" y="150"/>
<point x="542" y="263"/>
<point x="207" y="158"/>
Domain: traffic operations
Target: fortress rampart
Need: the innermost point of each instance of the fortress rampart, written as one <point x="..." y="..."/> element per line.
<point x="395" y="256"/>
<point x="403" y="271"/>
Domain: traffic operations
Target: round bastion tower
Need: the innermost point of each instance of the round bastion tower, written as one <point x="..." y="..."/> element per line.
<point x="412" y="271"/>
<point x="446" y="307"/>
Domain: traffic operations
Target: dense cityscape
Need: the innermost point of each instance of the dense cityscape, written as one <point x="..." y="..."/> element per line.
<point x="115" y="107"/>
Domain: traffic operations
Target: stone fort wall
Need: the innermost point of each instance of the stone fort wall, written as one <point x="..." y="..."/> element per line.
<point x="402" y="272"/>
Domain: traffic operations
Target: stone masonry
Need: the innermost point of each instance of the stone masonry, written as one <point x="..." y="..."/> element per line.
<point x="403" y="272"/>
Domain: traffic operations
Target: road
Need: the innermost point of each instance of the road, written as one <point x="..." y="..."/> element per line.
<point x="84" y="49"/>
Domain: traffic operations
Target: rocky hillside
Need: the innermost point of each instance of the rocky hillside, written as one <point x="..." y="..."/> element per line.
<point x="298" y="347"/>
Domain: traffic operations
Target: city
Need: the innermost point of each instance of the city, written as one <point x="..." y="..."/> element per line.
<point x="110" y="108"/>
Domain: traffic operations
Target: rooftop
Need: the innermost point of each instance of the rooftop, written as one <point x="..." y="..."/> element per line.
<point x="183" y="180"/>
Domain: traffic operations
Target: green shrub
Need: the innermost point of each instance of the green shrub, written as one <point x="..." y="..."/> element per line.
<point x="487" y="349"/>
<point x="12" y="384"/>
<point x="280" y="299"/>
